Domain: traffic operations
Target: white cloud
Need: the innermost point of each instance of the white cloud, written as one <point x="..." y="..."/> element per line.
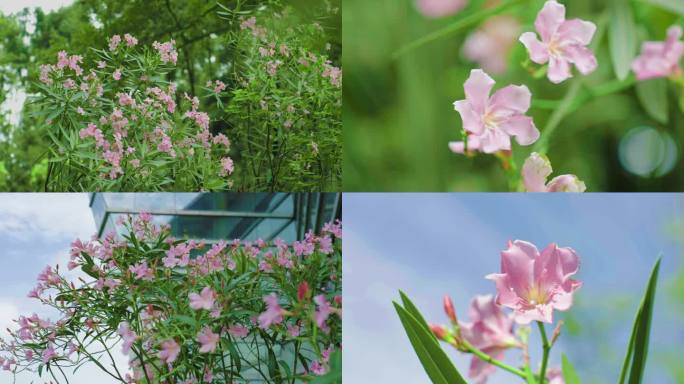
<point x="34" y="215"/>
<point x="13" y="6"/>
<point x="8" y="312"/>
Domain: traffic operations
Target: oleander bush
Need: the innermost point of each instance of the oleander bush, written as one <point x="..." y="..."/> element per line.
<point x="187" y="312"/>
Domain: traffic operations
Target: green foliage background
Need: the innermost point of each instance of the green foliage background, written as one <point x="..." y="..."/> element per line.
<point x="201" y="40"/>
<point x="398" y="114"/>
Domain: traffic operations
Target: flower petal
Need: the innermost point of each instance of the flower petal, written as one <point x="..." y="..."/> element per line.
<point x="535" y="171"/>
<point x="559" y="70"/>
<point x="576" y="31"/>
<point x="477" y="89"/>
<point x="472" y="121"/>
<point x="494" y="140"/>
<point x="522" y="127"/>
<point x="582" y="57"/>
<point x="538" y="52"/>
<point x="509" y="100"/>
<point x="517" y="262"/>
<point x="549" y="19"/>
<point x="566" y="183"/>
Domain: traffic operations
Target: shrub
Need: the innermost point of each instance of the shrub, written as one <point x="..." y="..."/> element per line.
<point x="232" y="313"/>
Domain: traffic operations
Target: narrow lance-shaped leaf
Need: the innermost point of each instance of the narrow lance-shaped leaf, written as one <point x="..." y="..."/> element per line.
<point x="622" y="34"/>
<point x="435" y="361"/>
<point x="413" y="310"/>
<point x="637" y="350"/>
<point x="653" y="97"/>
<point x="569" y="374"/>
<point x="676" y="6"/>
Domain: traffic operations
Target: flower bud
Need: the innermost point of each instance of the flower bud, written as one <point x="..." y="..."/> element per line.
<point x="439" y="331"/>
<point x="302" y="290"/>
<point x="449" y="309"/>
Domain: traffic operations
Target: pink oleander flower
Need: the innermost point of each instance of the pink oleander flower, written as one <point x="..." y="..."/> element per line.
<point x="491" y="121"/>
<point x="167" y="52"/>
<point x="130" y="40"/>
<point x="49" y="353"/>
<point x="660" y="59"/>
<point x="141" y="270"/>
<point x="208" y="339"/>
<point x="490" y="44"/>
<point x="273" y="313"/>
<point x="563" y="42"/>
<point x="238" y="330"/>
<point x="534" y="284"/>
<point x="490" y="331"/>
<point x="203" y="300"/>
<point x="117" y="74"/>
<point x="227" y="166"/>
<point x="555" y="376"/>
<point x="537" y="169"/>
<point x="440" y="8"/>
<point x="323" y="312"/>
<point x="129" y="337"/>
<point x="293" y="330"/>
<point x="169" y="351"/>
<point x="114" y="42"/>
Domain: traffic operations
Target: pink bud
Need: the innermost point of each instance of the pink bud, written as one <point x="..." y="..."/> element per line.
<point x="302" y="290"/>
<point x="439" y="331"/>
<point x="449" y="309"/>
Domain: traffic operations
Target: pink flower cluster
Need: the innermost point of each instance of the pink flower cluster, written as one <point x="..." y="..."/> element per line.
<point x="661" y="59"/>
<point x="167" y="51"/>
<point x="118" y="149"/>
<point x="116" y="264"/>
<point x="531" y="283"/>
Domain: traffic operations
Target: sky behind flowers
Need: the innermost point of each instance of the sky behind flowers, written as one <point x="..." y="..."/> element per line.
<point x="36" y="230"/>
<point x="432" y="244"/>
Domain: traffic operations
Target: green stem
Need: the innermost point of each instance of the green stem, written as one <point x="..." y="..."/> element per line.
<point x="546" y="347"/>
<point x="455" y="27"/>
<point x="557" y="116"/>
<point x="490" y="360"/>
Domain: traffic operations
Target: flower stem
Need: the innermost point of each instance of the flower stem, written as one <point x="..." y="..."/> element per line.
<point x="490" y="360"/>
<point x="464" y="22"/>
<point x="547" y="347"/>
<point x="557" y="116"/>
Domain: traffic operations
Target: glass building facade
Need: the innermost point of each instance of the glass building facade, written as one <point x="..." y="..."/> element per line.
<point x="223" y="216"/>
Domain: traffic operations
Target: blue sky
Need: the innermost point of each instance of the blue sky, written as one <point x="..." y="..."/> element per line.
<point x="35" y="231"/>
<point x="432" y="244"/>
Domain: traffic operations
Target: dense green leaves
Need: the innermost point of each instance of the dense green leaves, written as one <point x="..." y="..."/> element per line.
<point x="637" y="351"/>
<point x="435" y="361"/>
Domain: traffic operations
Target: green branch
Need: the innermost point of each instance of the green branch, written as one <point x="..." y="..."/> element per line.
<point x="465" y="22"/>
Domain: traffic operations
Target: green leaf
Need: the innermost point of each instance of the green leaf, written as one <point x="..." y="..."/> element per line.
<point x="435" y="361"/>
<point x="676" y="6"/>
<point x="622" y="34"/>
<point x="273" y="369"/>
<point x="652" y="95"/>
<point x="637" y="351"/>
<point x="185" y="319"/>
<point x="569" y="373"/>
<point x="411" y="308"/>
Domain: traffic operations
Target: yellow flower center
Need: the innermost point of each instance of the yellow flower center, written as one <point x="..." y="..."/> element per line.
<point x="536" y="295"/>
